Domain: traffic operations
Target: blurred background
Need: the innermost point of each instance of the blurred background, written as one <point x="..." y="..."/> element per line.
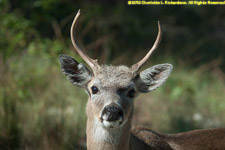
<point x="41" y="110"/>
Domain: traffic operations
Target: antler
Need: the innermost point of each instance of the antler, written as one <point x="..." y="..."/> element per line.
<point x="91" y="62"/>
<point x="136" y="67"/>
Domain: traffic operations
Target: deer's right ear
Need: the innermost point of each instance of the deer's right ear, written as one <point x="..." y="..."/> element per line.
<point x="77" y="73"/>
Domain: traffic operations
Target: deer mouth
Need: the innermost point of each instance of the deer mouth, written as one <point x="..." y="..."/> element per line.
<point x="111" y="124"/>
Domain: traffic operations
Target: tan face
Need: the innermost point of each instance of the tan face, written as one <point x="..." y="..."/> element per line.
<point x="111" y="95"/>
<point x="112" y="89"/>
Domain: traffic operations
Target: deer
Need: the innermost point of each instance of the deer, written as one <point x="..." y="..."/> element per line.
<point x="111" y="91"/>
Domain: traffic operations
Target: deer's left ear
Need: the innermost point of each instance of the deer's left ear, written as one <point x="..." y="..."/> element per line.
<point x="153" y="77"/>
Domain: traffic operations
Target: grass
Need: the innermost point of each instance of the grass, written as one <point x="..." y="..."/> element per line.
<point x="39" y="108"/>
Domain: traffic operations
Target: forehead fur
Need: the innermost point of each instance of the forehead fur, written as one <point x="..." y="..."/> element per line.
<point x="119" y="76"/>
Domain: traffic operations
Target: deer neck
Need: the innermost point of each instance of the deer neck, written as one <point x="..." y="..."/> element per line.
<point x="101" y="138"/>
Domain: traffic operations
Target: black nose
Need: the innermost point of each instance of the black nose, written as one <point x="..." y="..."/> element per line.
<point x="112" y="112"/>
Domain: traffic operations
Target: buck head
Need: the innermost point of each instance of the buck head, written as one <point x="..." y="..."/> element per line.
<point x="111" y="89"/>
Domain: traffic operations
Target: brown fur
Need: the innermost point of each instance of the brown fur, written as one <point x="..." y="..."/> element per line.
<point x="204" y="139"/>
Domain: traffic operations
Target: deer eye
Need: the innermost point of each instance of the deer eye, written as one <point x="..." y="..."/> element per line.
<point x="131" y="93"/>
<point x="94" y="90"/>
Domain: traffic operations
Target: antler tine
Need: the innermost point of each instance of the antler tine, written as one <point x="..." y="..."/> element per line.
<point x="91" y="62"/>
<point x="136" y="67"/>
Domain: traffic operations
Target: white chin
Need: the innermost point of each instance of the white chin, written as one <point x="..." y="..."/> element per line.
<point x="111" y="124"/>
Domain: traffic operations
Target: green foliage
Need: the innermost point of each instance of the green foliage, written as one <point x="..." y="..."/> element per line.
<point x="15" y="34"/>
